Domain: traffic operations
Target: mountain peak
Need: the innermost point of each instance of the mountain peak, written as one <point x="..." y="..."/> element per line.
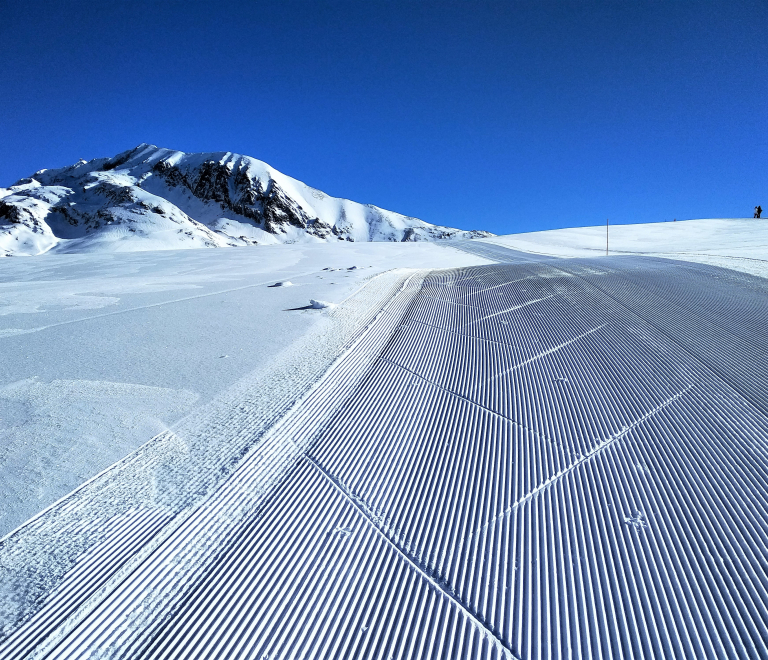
<point x="150" y="198"/>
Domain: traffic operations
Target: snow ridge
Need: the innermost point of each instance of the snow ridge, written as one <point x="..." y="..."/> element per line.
<point x="149" y="198"/>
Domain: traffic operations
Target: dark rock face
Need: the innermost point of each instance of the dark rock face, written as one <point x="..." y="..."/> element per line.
<point x="320" y="228"/>
<point x="213" y="183"/>
<point x="115" y="194"/>
<point x="412" y="236"/>
<point x="236" y="191"/>
<point x="119" y="160"/>
<point x="10" y="213"/>
<point x="280" y="209"/>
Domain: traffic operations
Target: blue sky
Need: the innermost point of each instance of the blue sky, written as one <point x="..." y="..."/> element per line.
<point x="506" y="116"/>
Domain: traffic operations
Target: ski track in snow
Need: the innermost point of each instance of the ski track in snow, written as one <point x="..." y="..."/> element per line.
<point x="476" y="476"/>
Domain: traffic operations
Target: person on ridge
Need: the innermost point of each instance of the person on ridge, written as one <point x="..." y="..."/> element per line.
<point x="758" y="211"/>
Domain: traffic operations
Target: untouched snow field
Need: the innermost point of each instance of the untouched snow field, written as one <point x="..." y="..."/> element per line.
<point x="102" y="352"/>
<point x="737" y="243"/>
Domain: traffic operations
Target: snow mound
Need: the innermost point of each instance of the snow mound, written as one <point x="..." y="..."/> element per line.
<point x="321" y="304"/>
<point x="285" y="283"/>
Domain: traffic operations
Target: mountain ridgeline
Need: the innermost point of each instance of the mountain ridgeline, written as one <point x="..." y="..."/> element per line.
<point x="150" y="198"/>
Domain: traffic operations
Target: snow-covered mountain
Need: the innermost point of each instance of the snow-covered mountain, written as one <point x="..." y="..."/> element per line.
<point x="150" y="198"/>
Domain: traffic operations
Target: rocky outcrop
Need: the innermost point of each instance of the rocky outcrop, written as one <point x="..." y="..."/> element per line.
<point x="236" y="191"/>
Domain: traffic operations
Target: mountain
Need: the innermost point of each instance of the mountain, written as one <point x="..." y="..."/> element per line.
<point x="150" y="198"/>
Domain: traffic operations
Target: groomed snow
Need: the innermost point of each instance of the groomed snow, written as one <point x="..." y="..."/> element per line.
<point x="133" y="342"/>
<point x="491" y="387"/>
<point x="101" y="352"/>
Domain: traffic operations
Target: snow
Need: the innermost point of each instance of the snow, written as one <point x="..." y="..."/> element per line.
<point x="207" y="349"/>
<point x="144" y="333"/>
<point x="736" y="243"/>
<point x="52" y="431"/>
<point x="151" y="198"/>
<point x="133" y="342"/>
<point x="320" y="304"/>
<point x="102" y="351"/>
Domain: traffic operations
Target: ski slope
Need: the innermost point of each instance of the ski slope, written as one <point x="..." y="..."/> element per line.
<point x="736" y="243"/>
<point x="102" y="352"/>
<point x="534" y="458"/>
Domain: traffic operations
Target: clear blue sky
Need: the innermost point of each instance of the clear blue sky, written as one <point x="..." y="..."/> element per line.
<point x="507" y="116"/>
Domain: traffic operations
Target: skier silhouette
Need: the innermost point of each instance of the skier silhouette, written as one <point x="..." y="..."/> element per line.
<point x="758" y="211"/>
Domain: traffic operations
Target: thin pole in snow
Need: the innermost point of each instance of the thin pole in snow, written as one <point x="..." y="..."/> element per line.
<point x="606" y="237"/>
